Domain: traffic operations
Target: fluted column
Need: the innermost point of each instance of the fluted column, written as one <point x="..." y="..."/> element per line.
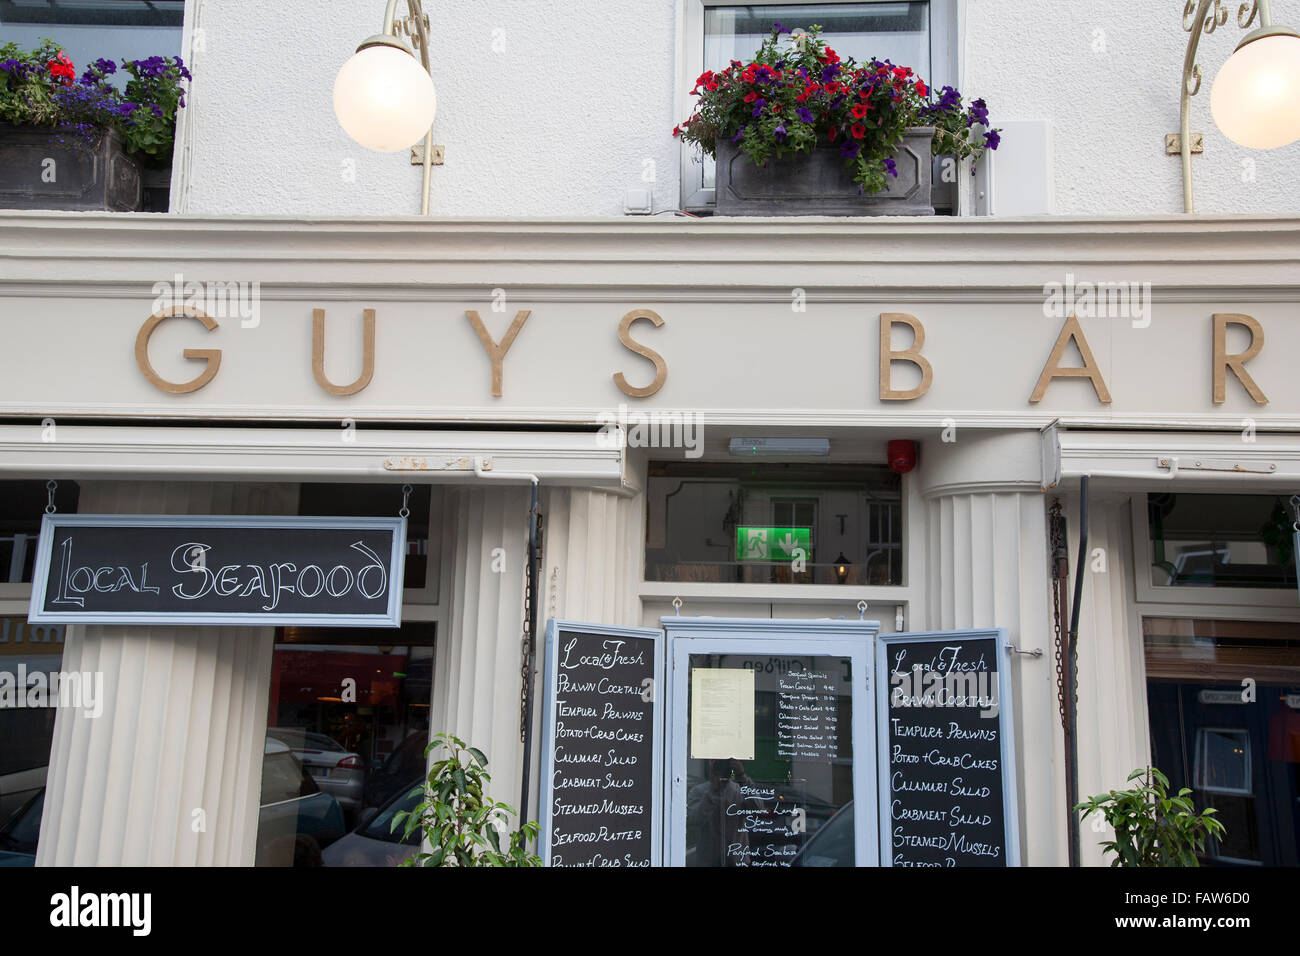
<point x="987" y="566"/>
<point x="169" y="773"/>
<point x="477" y="681"/>
<point x="1114" y="735"/>
<point x="594" y="551"/>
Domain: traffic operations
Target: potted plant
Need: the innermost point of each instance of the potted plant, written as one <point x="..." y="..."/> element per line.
<point x="1151" y="827"/>
<point x="81" y="143"/>
<point x="461" y="824"/>
<point x="800" y="131"/>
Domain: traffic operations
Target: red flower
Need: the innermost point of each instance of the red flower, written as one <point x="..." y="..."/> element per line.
<point x="677" y="131"/>
<point x="922" y="89"/>
<point x="750" y="97"/>
<point x="830" y="56"/>
<point x="858" y="111"/>
<point x="832" y="132"/>
<point x="859" y="131"/>
<point x="61" y="68"/>
<point x="902" y="71"/>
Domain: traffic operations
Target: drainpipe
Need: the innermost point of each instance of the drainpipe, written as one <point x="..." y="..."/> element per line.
<point x="530" y="602"/>
<point x="1071" y="671"/>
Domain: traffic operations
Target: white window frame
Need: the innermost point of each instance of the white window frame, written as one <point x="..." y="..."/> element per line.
<point x="944" y="71"/>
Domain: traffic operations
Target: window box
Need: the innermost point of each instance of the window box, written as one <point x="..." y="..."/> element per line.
<point x="41" y="168"/>
<point x="821" y="183"/>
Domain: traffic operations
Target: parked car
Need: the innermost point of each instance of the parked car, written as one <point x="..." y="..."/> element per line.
<point x="296" y="820"/>
<point x="373" y="842"/>
<point x="336" y="770"/>
<point x="20" y="832"/>
<point x="399" y="772"/>
<point x="295" y="823"/>
<point x="833" y="844"/>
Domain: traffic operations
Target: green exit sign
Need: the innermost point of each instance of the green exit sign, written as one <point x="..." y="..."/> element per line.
<point x="772" y="544"/>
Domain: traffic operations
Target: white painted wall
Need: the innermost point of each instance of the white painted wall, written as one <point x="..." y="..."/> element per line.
<point x="556" y="109"/>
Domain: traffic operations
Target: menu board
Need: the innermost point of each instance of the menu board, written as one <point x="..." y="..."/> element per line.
<point x="602" y="747"/>
<point x="947" y="783"/>
<point x="807" y="716"/>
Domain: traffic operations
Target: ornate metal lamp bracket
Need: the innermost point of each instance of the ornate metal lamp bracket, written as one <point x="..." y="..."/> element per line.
<point x="1202" y="17"/>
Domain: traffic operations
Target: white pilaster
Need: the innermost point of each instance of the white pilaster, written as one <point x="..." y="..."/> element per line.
<point x="170" y="773"/>
<point x="987" y="566"/>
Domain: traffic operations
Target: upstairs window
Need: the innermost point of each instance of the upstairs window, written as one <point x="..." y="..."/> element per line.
<point x="916" y="33"/>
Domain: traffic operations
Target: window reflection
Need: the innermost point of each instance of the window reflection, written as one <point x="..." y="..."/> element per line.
<point x="346" y="731"/>
<point x="774" y="809"/>
<point x="773" y="523"/>
<point x="1243" y="541"/>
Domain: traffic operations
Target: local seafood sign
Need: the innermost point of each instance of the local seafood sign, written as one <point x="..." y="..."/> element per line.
<point x="190" y="569"/>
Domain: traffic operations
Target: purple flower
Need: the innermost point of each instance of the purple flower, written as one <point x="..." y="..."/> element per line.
<point x="779" y="133"/>
<point x="758" y="107"/>
<point x="804" y="114"/>
<point x="125" y="110"/>
<point x="849" y="149"/>
<point x="778" y="28"/>
<point x="891" y="167"/>
<point x="185" y="73"/>
<point x="829" y="72"/>
<point x="992" y="140"/>
<point x="740" y="134"/>
<point x="764" y="74"/>
<point x="156" y="110"/>
<point x="979" y="113"/>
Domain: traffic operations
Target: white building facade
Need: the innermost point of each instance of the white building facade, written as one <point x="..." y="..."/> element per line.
<point x="1070" y="322"/>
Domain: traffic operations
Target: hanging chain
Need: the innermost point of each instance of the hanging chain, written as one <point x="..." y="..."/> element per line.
<point x="406" y="500"/>
<point x="1295" y="506"/>
<point x="1060" y="574"/>
<point x="51" y="486"/>
<point x="526" y="645"/>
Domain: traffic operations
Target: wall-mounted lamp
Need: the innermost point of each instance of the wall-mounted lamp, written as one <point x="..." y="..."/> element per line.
<point x="842" y="568"/>
<point x="383" y="97"/>
<point x="1255" y="93"/>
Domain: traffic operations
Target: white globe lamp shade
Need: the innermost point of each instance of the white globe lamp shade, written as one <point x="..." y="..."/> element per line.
<point x="1256" y="95"/>
<point x="384" y="99"/>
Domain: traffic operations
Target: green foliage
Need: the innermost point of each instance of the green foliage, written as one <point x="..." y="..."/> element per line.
<point x="40" y="87"/>
<point x="26" y="86"/>
<point x="1151" y="827"/>
<point x="461" y="824"/>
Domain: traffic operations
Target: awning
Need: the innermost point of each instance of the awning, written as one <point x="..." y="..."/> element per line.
<point x="1245" y="459"/>
<point x="306" y="454"/>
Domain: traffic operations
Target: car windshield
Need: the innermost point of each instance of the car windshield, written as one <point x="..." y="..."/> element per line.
<point x="380" y="826"/>
<point x="24" y="828"/>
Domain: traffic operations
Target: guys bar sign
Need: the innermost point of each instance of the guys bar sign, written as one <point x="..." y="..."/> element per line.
<point x="223" y="570"/>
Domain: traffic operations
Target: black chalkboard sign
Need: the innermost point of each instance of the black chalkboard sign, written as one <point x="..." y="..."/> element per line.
<point x="944" y="725"/>
<point x="192" y="569"/>
<point x="602" y="753"/>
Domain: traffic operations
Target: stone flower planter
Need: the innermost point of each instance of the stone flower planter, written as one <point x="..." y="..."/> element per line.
<point x="43" y="169"/>
<point x="820" y="183"/>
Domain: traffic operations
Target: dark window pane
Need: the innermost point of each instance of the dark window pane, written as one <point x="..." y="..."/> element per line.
<point x="22" y="504"/>
<point x="772" y="523"/>
<point x="1242" y="541"/>
<point x="378" y="501"/>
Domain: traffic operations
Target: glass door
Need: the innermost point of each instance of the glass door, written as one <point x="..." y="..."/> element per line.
<point x="771" y="742"/>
